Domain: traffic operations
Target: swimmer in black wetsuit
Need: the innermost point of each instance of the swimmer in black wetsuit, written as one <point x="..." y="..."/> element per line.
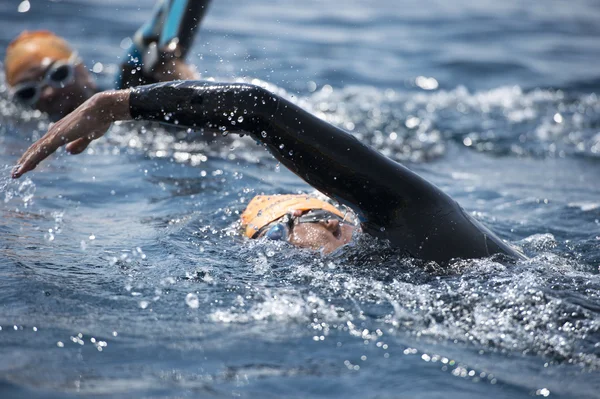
<point x="390" y="201"/>
<point x="44" y="72"/>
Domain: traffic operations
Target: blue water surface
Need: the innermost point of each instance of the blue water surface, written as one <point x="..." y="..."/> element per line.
<point x="123" y="273"/>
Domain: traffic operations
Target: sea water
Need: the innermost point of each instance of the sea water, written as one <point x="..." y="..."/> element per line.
<point x="123" y="273"/>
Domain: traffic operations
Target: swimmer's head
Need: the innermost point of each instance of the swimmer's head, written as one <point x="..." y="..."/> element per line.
<point x="302" y="220"/>
<point x="45" y="73"/>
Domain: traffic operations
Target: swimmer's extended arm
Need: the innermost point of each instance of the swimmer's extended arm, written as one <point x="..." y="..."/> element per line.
<point x="391" y="201"/>
<point x="326" y="157"/>
<point x="87" y="123"/>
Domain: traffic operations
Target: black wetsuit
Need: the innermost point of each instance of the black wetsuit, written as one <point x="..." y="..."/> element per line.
<point x="391" y="201"/>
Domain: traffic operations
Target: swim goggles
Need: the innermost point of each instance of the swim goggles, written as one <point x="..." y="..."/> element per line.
<point x="59" y="74"/>
<point x="280" y="230"/>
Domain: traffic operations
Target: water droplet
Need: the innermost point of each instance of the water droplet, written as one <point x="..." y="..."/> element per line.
<point x="98" y="67"/>
<point x="192" y="301"/>
<point x="24" y="6"/>
<point x="558" y="118"/>
<point x="126" y="43"/>
<point x="240" y="119"/>
<point x="263" y="133"/>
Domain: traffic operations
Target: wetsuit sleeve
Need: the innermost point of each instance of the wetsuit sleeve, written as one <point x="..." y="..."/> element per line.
<point x="326" y="157"/>
<point x="391" y="201"/>
<point x="169" y="32"/>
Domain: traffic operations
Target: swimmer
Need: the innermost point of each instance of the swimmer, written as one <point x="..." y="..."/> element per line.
<point x="390" y="201"/>
<point x="44" y="72"/>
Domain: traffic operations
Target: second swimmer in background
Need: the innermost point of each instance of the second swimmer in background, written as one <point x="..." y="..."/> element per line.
<point x="44" y="72"/>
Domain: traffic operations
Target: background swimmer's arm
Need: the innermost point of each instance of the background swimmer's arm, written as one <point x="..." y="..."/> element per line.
<point x="160" y="46"/>
<point x="181" y="23"/>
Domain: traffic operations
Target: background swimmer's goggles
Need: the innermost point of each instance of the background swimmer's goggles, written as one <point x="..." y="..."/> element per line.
<point x="58" y="75"/>
<point x="281" y="228"/>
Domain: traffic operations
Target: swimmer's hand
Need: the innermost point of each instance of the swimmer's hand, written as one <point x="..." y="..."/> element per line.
<point x="78" y="129"/>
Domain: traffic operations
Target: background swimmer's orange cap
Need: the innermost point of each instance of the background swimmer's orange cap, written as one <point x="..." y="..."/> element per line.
<point x="30" y="49"/>
<point x="264" y="209"/>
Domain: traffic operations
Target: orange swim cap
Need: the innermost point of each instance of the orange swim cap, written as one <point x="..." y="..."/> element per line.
<point x="31" y="49"/>
<point x="264" y="209"/>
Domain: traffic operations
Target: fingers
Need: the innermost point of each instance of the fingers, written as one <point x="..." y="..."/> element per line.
<point x="43" y="148"/>
<point x="88" y="122"/>
<point x="79" y="145"/>
<point x="36" y="154"/>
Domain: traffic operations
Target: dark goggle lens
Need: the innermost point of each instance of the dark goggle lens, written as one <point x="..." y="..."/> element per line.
<point x="60" y="73"/>
<point x="277" y="233"/>
<point x="26" y="93"/>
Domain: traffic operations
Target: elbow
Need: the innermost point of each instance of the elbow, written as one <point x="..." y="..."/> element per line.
<point x="256" y="101"/>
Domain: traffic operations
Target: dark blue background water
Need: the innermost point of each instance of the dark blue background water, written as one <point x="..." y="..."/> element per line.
<point x="122" y="273"/>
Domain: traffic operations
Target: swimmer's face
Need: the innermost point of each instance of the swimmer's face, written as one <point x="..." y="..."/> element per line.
<point x="48" y="93"/>
<point x="326" y="235"/>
